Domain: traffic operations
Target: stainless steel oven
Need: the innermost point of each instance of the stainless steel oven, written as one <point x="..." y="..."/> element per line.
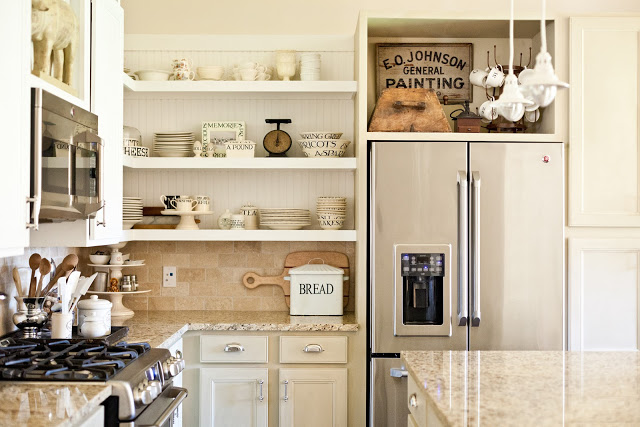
<point x="67" y="162"/>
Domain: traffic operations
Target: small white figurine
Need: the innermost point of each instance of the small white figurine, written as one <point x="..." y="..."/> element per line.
<point x="197" y="149"/>
<point x="211" y="150"/>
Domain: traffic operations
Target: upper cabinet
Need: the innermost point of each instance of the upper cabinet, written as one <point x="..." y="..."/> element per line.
<point x="604" y="172"/>
<point x="106" y="98"/>
<point x="15" y="29"/>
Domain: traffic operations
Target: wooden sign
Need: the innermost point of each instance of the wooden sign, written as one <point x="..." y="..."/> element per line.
<point x="443" y="67"/>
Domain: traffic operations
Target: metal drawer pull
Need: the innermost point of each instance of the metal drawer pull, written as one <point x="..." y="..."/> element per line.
<point x="233" y="347"/>
<point x="261" y="397"/>
<point x="286" y="396"/>
<point x="399" y="373"/>
<point x="313" y="348"/>
<point x="413" y="401"/>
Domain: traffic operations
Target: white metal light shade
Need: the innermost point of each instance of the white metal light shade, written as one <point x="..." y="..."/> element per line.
<point x="543" y="84"/>
<point x="511" y="103"/>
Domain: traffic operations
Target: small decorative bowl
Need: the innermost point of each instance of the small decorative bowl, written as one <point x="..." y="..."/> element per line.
<point x="321" y="135"/>
<point x="99" y="259"/>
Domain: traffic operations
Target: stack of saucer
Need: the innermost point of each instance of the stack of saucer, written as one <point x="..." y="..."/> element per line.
<point x="310" y="66"/>
<point x="331" y="212"/>
<point x="285" y="219"/>
<point x="131" y="211"/>
<point x="173" y="144"/>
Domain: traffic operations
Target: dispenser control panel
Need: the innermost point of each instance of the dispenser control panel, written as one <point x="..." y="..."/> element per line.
<point x="424" y="264"/>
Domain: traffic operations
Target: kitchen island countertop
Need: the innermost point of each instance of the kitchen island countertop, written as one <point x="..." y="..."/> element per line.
<point x="528" y="387"/>
<point x="164" y="328"/>
<point x="49" y="404"/>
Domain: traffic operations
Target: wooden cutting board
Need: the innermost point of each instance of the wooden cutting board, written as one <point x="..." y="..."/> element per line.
<point x="296" y="259"/>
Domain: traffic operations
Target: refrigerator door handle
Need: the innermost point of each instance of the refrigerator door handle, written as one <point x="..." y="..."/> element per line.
<point x="475" y="248"/>
<point x="463" y="250"/>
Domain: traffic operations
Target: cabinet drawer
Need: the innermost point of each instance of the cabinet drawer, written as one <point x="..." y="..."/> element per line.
<point x="417" y="403"/>
<point x="313" y="349"/>
<point x="233" y="349"/>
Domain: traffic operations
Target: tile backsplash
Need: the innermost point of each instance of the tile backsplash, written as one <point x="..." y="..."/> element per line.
<point x="8" y="289"/>
<point x="209" y="274"/>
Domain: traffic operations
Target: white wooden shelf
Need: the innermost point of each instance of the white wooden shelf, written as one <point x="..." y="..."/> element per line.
<point x="322" y="89"/>
<point x="465" y="137"/>
<point x="273" y="163"/>
<point x="36" y="82"/>
<point x="242" y="235"/>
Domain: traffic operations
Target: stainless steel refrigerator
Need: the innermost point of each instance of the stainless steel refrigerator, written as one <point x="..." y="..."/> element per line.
<point x="466" y="253"/>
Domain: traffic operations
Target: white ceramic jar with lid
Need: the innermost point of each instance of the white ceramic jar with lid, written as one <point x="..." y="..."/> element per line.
<point x="316" y="290"/>
<point x="94" y="317"/>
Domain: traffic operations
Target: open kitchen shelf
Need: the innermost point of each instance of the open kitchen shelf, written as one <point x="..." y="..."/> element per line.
<point x="464" y="137"/>
<point x="323" y="89"/>
<point x="304" y="163"/>
<point x="243" y="235"/>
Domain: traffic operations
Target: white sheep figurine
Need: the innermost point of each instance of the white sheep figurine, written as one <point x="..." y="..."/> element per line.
<point x="54" y="31"/>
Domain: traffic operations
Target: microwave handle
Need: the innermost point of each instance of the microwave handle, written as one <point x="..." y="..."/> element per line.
<point x="36" y="197"/>
<point x="101" y="184"/>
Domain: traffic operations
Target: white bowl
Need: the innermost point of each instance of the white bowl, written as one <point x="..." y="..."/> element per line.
<point x="321" y="135"/>
<point x="153" y="75"/>
<point x="99" y="259"/>
<point x="335" y="224"/>
<point x="210" y="73"/>
<point x="323" y="152"/>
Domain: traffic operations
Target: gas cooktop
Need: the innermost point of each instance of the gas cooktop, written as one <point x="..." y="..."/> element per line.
<point x="64" y="360"/>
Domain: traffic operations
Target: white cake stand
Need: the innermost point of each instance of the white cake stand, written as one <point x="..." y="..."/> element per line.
<point x="187" y="218"/>
<point x="117" y="308"/>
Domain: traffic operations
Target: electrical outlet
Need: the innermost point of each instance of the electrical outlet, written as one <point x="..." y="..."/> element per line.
<point x="169" y="277"/>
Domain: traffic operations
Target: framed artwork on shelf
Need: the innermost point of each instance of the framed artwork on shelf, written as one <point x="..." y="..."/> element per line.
<point x="216" y="134"/>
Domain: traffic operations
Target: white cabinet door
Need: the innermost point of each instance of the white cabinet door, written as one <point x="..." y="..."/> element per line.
<point x="604" y="279"/>
<point x="234" y="397"/>
<point x="15" y="35"/>
<point x="604" y="172"/>
<point x="107" y="61"/>
<point x="313" y="397"/>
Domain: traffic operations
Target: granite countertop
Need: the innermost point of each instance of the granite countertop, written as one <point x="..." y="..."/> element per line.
<point x="529" y="387"/>
<point x="164" y="328"/>
<point x="49" y="404"/>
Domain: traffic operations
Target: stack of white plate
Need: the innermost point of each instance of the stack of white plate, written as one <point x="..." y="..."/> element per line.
<point x="173" y="144"/>
<point x="131" y="211"/>
<point x="331" y="212"/>
<point x="285" y="219"/>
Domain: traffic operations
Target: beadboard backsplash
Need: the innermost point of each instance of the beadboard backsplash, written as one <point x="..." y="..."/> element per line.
<point x="209" y="274"/>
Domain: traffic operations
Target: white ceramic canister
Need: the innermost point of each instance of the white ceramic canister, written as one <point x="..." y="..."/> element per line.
<point x="96" y="313"/>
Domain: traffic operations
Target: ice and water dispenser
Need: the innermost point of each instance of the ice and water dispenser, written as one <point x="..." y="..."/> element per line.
<point x="423" y="294"/>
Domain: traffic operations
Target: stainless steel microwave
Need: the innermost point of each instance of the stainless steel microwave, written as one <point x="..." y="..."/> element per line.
<point x="67" y="160"/>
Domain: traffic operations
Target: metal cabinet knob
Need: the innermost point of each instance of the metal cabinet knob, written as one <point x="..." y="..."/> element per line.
<point x="413" y="400"/>
<point x="286" y="395"/>
<point x="261" y="397"/>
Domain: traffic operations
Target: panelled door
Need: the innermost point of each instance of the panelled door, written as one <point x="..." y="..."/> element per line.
<point x="313" y="397"/>
<point x="234" y="397"/>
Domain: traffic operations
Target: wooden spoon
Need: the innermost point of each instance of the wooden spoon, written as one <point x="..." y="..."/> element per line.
<point x="68" y="264"/>
<point x="45" y="268"/>
<point x="17" y="281"/>
<point x="34" y="264"/>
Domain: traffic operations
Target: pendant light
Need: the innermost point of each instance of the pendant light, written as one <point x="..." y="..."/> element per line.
<point x="511" y="103"/>
<point x="542" y="84"/>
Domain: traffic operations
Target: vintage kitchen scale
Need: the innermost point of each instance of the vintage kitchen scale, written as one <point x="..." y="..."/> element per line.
<point x="277" y="142"/>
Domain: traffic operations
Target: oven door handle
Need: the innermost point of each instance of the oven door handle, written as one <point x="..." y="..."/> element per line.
<point x="179" y="394"/>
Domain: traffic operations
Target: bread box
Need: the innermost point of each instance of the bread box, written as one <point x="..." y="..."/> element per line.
<point x="316" y="290"/>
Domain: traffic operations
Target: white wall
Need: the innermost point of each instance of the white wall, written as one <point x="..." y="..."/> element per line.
<point x="323" y="17"/>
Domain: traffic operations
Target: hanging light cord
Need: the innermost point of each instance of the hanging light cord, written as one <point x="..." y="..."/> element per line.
<point x="511" y="41"/>
<point x="543" y="28"/>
